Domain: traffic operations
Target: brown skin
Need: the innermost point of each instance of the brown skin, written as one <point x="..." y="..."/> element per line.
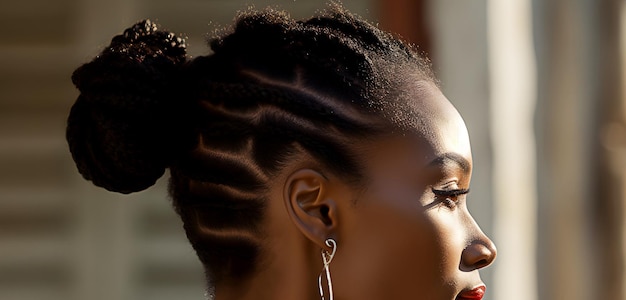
<point x="396" y="239"/>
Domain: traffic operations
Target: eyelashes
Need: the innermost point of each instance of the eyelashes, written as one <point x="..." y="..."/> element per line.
<point x="450" y="193"/>
<point x="450" y="198"/>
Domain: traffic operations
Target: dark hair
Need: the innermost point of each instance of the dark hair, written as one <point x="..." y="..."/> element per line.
<point x="225" y="123"/>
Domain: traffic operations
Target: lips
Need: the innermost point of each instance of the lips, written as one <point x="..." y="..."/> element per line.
<point x="476" y="293"/>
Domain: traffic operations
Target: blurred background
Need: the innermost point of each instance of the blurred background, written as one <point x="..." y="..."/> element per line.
<point x="539" y="83"/>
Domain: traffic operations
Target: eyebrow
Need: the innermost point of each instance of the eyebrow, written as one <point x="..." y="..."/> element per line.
<point x="451" y="157"/>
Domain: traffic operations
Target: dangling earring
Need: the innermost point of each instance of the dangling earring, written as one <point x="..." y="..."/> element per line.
<point x="327" y="257"/>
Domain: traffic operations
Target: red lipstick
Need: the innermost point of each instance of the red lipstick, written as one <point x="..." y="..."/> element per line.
<point x="476" y="293"/>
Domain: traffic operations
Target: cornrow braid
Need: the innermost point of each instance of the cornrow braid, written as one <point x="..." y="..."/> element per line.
<point x="227" y="123"/>
<point x="255" y="126"/>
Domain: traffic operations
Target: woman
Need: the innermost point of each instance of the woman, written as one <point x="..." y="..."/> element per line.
<point x="308" y="159"/>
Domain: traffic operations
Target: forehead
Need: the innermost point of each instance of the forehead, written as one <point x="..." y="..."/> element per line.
<point x="436" y="120"/>
<point x="431" y="128"/>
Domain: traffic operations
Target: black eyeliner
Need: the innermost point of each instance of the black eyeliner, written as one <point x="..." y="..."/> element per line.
<point x="450" y="193"/>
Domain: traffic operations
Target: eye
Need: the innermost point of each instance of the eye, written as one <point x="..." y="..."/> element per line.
<point x="449" y="198"/>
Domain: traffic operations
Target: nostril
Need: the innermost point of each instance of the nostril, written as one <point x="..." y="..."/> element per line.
<point x="477" y="255"/>
<point x="482" y="263"/>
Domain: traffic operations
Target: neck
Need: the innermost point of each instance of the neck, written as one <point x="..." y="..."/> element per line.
<point x="288" y="275"/>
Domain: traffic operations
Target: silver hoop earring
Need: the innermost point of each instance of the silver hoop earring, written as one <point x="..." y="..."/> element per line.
<point x="327" y="257"/>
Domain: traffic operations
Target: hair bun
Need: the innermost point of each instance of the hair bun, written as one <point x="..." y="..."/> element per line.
<point x="122" y="127"/>
<point x="145" y="36"/>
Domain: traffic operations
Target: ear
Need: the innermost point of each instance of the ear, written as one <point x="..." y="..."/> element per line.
<point x="309" y="205"/>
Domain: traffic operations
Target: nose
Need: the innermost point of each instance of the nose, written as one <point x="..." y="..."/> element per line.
<point x="480" y="253"/>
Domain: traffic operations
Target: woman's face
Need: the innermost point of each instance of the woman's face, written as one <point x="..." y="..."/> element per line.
<point x="409" y="234"/>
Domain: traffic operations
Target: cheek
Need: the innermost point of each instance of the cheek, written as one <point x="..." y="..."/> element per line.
<point x="404" y="250"/>
<point x="449" y="238"/>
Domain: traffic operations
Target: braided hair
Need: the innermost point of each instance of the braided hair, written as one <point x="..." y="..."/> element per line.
<point x="226" y="123"/>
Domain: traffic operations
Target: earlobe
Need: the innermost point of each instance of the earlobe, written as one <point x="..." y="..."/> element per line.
<point x="309" y="205"/>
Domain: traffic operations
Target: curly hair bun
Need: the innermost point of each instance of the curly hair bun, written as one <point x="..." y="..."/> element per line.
<point x="121" y="130"/>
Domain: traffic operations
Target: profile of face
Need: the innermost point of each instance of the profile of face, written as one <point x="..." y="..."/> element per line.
<point x="278" y="146"/>
<point x="406" y="233"/>
<point x="413" y="236"/>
